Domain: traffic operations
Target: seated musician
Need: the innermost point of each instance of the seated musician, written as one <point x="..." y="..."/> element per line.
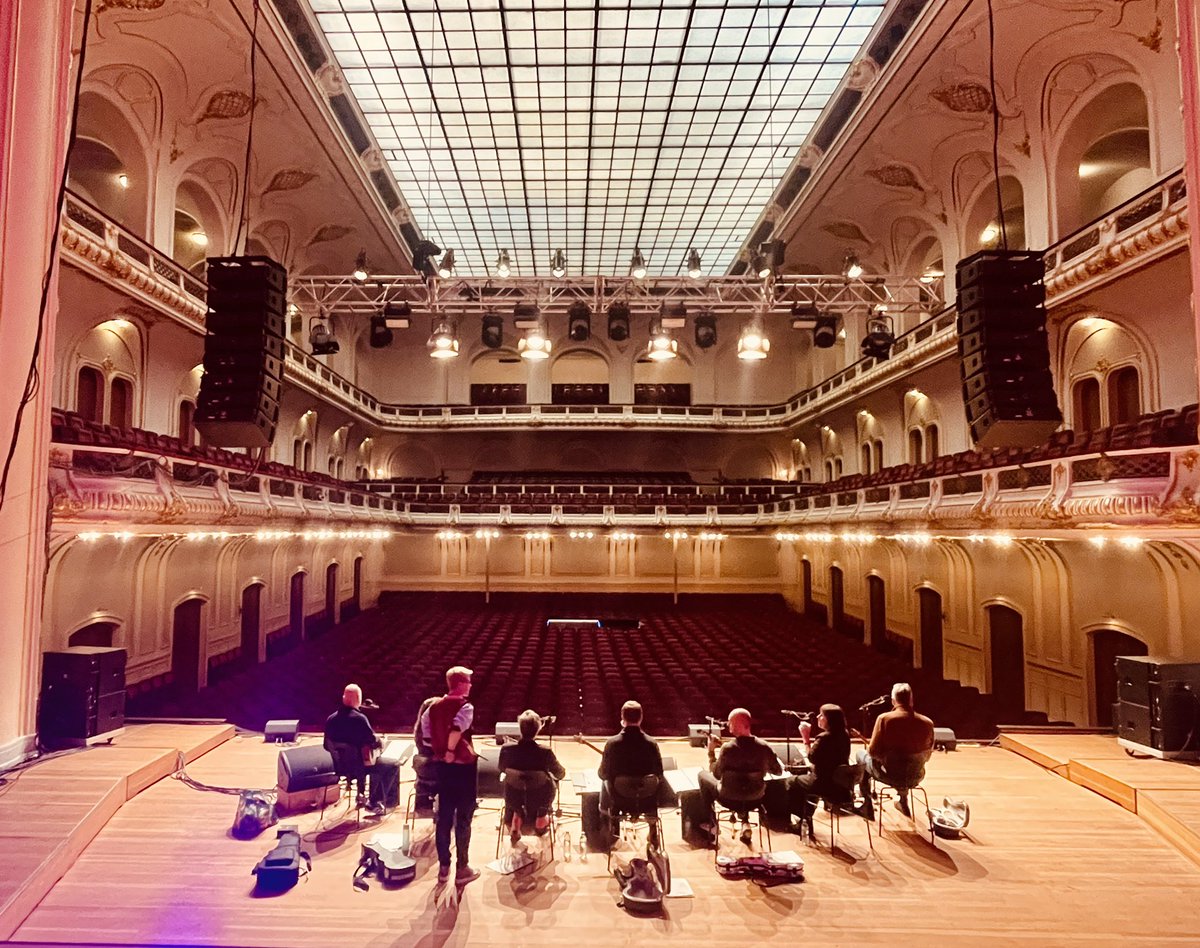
<point x="348" y="727"/>
<point x="727" y="771"/>
<point x="533" y="806"/>
<point x="900" y="745"/>
<point x="829" y="751"/>
<point x="629" y="754"/>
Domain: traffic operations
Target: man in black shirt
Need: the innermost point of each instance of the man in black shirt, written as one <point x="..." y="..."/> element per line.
<point x="629" y="754"/>
<point x="528" y="755"/>
<point x="347" y="725"/>
<point x="745" y="754"/>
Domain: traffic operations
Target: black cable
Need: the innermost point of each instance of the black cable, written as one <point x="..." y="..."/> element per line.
<point x="32" y="377"/>
<point x="249" y="131"/>
<point x="995" y="124"/>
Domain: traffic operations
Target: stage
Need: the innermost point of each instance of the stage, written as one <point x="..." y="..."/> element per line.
<point x="149" y="861"/>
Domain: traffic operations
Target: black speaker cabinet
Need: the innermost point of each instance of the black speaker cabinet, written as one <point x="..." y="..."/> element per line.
<point x="305" y="768"/>
<point x="1158" y="706"/>
<point x="1008" y="389"/>
<point x="83" y="696"/>
<point x="243" y="352"/>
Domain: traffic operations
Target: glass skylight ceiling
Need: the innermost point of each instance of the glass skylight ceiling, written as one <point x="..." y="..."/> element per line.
<point x="596" y="127"/>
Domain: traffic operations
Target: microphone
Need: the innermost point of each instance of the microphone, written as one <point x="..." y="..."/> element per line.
<point x="795" y="714"/>
<point x="882" y="699"/>
<point x="370" y="705"/>
<point x="549" y="719"/>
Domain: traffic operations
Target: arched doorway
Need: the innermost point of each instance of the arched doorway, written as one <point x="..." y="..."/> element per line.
<point x="877" y="620"/>
<point x="251" y="622"/>
<point x="331" y="584"/>
<point x="1107" y="644"/>
<point x="930" y="607"/>
<point x="837" y="599"/>
<point x="296" y="608"/>
<point x="1007" y="652"/>
<point x="356" y="601"/>
<point x="806" y="586"/>
<point x="97" y="634"/>
<point x="185" y="646"/>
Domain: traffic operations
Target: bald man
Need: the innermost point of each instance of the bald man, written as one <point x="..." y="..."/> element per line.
<point x="743" y="755"/>
<point x="348" y="725"/>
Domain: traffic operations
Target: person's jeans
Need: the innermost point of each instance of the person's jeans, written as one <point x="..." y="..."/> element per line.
<point x="873" y="770"/>
<point x="456" y="792"/>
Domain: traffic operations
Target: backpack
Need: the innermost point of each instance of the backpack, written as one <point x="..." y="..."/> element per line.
<point x="280" y="869"/>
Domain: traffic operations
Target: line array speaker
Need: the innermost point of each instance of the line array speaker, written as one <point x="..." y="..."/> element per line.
<point x="1008" y="388"/>
<point x="83" y="695"/>
<point x="243" y="352"/>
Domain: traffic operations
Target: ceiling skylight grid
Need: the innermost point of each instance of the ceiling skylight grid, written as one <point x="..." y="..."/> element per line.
<point x="532" y="126"/>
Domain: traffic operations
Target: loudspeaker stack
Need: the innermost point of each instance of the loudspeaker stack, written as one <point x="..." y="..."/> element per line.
<point x="83" y="696"/>
<point x="1007" y="386"/>
<point x="243" y="352"/>
<point x="1158" y="706"/>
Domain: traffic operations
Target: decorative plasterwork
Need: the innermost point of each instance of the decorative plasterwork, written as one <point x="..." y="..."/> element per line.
<point x="226" y="104"/>
<point x="289" y="179"/>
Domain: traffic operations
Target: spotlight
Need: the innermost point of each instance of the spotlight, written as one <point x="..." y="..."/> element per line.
<point x="559" y="265"/>
<point x="443" y="341"/>
<point x="753" y="344"/>
<point x="492" y="335"/>
<point x="503" y="264"/>
<point x="637" y="265"/>
<point x="381" y="336"/>
<point x="320" y="339"/>
<point x="361" y="272"/>
<point x="397" y="315"/>
<point x="804" y="315"/>
<point x="706" y="330"/>
<point x="825" y="332"/>
<point x="877" y="343"/>
<point x="535" y="345"/>
<point x="446" y="267"/>
<point x="579" y="321"/>
<point x="423" y="255"/>
<point x="851" y="268"/>
<point x="618" y="322"/>
<point x="770" y="258"/>
<point x="661" y="347"/>
<point x="988" y="235"/>
<point x="693" y="264"/>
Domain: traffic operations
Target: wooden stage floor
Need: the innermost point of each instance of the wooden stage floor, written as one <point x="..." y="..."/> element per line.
<point x="1047" y="862"/>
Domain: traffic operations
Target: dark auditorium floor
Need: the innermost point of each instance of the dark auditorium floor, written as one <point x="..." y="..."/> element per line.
<point x="706" y="655"/>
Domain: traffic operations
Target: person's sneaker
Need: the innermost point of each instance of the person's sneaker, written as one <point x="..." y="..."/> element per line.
<point x="465" y="874"/>
<point x="443" y="873"/>
<point x="375" y="809"/>
<point x="866" y="810"/>
<point x="902" y="806"/>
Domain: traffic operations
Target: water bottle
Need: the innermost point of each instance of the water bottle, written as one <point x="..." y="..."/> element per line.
<point x="567" y="847"/>
<point x="582" y="848"/>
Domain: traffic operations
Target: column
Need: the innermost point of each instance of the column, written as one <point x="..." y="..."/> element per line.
<point x="1189" y="78"/>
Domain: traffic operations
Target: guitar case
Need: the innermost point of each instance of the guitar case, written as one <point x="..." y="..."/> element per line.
<point x="385" y="855"/>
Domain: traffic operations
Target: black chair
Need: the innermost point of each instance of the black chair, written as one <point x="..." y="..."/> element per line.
<point x="424" y="789"/>
<point x="845" y="779"/>
<point x="634" y="799"/>
<point x="903" y="776"/>
<point x="742" y="793"/>
<point x="351" y="770"/>
<point x="523" y="784"/>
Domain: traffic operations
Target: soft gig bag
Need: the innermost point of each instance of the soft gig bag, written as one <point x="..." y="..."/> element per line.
<point x="255" y="812"/>
<point x="280" y="869"/>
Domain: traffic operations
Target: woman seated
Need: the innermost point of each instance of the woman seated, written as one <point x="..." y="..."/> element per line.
<point x="829" y="751"/>
<point x="524" y="807"/>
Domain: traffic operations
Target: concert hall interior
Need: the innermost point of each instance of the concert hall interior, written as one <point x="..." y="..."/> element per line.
<point x="793" y="349"/>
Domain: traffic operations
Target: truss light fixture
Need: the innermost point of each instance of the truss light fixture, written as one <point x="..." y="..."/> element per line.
<point x="877" y="343"/>
<point x="693" y="264"/>
<point x="321" y="339"/>
<point x="579" y="321"/>
<point x="825" y="332"/>
<point x="770" y="258"/>
<point x="753" y="344"/>
<point x="662" y="347"/>
<point x="931" y="274"/>
<point x="618" y="321"/>
<point x="503" y="264"/>
<point x="637" y="265"/>
<point x="851" y="268"/>
<point x="805" y="315"/>
<point x="443" y="341"/>
<point x="446" y="267"/>
<point x="381" y="336"/>
<point x="558" y="265"/>
<point x="705" y="326"/>
<point x="397" y="315"/>
<point x="492" y="334"/>
<point x="423" y="255"/>
<point x="535" y="345"/>
<point x="361" y="271"/>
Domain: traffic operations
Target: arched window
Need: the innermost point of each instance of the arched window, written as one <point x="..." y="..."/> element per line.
<point x="932" y="448"/>
<point x="120" y="410"/>
<point x="878" y="446"/>
<point x="187" y="414"/>
<point x="866" y="458"/>
<point x="915" y="446"/>
<point x="89" y="394"/>
<point x="983" y="223"/>
<point x="297" y="453"/>
<point x="1085" y="397"/>
<point x="1124" y="396"/>
<point x="829" y="470"/>
<point x="308" y="456"/>
<point x="837" y="467"/>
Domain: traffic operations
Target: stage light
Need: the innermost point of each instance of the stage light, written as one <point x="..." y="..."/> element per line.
<point x="381" y="336"/>
<point x="877" y="344"/>
<point x="559" y="265"/>
<point x="423" y="255"/>
<point x="661" y="347"/>
<point x="534" y="345"/>
<point x="397" y="315"/>
<point x="753" y="344"/>
<point x="637" y="265"/>
<point x="321" y="340"/>
<point x="446" y="267"/>
<point x="989" y="234"/>
<point x="931" y="274"/>
<point x="492" y="334"/>
<point x="770" y="258"/>
<point x="805" y="315"/>
<point x="579" y="321"/>
<point x="706" y="330"/>
<point x="361" y="271"/>
<point x="851" y="268"/>
<point x="693" y="264"/>
<point x="443" y="341"/>
<point x="485" y="533"/>
<point x="618" y="322"/>
<point x="503" y="264"/>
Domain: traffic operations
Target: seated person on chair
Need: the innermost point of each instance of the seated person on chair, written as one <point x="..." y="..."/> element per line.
<point x="629" y="754"/>
<point x="425" y="783"/>
<point x="530" y="807"/>
<point x="900" y="745"/>
<point x="347" y="731"/>
<point x="725" y="781"/>
<point x="826" y="754"/>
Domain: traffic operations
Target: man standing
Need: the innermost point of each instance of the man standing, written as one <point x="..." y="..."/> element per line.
<point x="900" y="745"/>
<point x="349" y="727"/>
<point x="629" y="754"/>
<point x="744" y="755"/>
<point x="445" y="725"/>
